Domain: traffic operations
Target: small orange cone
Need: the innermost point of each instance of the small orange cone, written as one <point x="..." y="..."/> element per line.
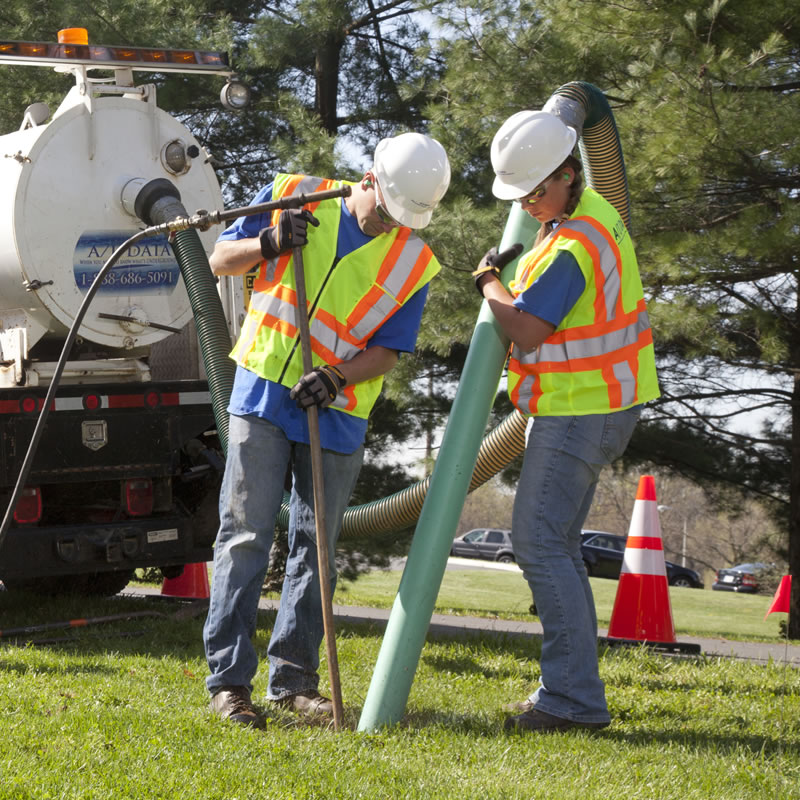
<point x="191" y="583"/>
<point x="642" y="611"/>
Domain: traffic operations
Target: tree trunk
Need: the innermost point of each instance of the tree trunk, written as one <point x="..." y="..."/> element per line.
<point x="794" y="514"/>
<point x="327" y="78"/>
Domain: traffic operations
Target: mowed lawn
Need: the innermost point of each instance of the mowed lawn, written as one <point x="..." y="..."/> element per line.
<point x="118" y="710"/>
<point x="504" y="593"/>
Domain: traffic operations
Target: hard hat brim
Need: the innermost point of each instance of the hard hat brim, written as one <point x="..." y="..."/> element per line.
<point x="406" y="218"/>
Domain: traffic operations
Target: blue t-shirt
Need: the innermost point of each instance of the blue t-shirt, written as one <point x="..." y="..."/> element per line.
<point x="252" y="394"/>
<point x="554" y="293"/>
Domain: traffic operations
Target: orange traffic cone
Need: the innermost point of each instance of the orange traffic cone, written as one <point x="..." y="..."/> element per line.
<point x="192" y="583"/>
<point x="642" y="611"/>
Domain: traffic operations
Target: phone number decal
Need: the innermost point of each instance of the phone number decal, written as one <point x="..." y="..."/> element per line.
<point x="148" y="266"/>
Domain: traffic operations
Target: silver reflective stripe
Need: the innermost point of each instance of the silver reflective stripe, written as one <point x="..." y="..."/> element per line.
<point x="322" y="333"/>
<point x="643" y="562"/>
<point x="379" y="311"/>
<point x="399" y="274"/>
<point x="387" y="303"/>
<point x="608" y="262"/>
<point x="591" y="347"/>
<point x="266" y="303"/>
<point x="307" y="185"/>
<point x="627" y="382"/>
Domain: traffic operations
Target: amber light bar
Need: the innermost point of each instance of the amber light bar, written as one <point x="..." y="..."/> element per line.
<point x="97" y="56"/>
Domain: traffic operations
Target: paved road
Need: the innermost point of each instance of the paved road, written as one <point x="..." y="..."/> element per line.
<point x="459" y="626"/>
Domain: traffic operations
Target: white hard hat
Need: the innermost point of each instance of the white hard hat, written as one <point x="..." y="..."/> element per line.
<point x="529" y="146"/>
<point x="413" y="173"/>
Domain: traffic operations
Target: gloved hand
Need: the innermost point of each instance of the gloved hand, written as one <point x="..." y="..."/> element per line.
<point x="493" y="262"/>
<point x="319" y="387"/>
<point x="291" y="231"/>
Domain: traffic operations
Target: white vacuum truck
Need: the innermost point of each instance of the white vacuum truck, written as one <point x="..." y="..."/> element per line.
<point x="126" y="473"/>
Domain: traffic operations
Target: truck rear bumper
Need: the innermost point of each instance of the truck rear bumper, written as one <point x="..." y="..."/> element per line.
<point x="31" y="552"/>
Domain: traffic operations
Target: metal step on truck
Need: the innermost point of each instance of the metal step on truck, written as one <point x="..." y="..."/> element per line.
<point x="126" y="474"/>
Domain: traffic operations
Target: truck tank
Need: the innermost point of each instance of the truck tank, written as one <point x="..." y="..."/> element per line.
<point x="127" y="470"/>
<point x="66" y="194"/>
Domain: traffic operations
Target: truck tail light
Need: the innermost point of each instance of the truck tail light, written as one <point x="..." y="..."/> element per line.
<point x="138" y="497"/>
<point x="29" y="506"/>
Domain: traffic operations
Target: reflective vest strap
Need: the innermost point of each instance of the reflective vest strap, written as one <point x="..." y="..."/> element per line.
<point x="417" y="271"/>
<point x="600" y="310"/>
<point x="601" y="329"/>
<point x="295" y="185"/>
<point x="517" y="287"/>
<point x="601" y="362"/>
<point x="394" y="253"/>
<point x="277" y="324"/>
<point x="607" y="286"/>
<point x="614" y="387"/>
<point x="529" y="385"/>
<point x="263" y="280"/>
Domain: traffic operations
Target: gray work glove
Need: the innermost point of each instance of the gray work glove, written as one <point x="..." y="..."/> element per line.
<point x="319" y="387"/>
<point x="291" y="231"/>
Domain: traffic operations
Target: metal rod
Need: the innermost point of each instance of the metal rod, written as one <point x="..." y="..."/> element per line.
<point x="205" y="219"/>
<point x="319" y="495"/>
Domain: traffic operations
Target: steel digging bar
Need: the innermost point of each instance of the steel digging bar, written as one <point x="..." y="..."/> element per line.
<point x="319" y="495"/>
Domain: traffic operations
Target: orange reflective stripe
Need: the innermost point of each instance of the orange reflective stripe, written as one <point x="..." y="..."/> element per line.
<point x="277" y="324"/>
<point x="614" y="386"/>
<point x="261" y="283"/>
<point x="350" y="393"/>
<point x="599" y="329"/>
<point x="394" y="253"/>
<point x="288" y="189"/>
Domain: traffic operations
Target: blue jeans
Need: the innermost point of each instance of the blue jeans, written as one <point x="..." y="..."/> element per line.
<point x="560" y="470"/>
<point x="251" y="495"/>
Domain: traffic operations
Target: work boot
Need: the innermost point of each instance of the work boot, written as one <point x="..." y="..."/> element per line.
<point x="542" y="722"/>
<point x="233" y="703"/>
<point x="311" y="703"/>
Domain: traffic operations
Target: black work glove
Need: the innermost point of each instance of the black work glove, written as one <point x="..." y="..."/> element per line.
<point x="291" y="231"/>
<point x="319" y="387"/>
<point x="493" y="262"/>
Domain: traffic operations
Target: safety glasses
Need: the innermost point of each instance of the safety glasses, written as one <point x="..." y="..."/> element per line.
<point x="537" y="194"/>
<point x="380" y="209"/>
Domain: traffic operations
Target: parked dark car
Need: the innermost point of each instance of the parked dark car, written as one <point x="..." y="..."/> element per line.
<point x="493" y="544"/>
<point x="741" y="578"/>
<point x="603" y="552"/>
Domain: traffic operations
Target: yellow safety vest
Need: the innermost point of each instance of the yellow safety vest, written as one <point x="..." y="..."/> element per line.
<point x="600" y="358"/>
<point x="348" y="300"/>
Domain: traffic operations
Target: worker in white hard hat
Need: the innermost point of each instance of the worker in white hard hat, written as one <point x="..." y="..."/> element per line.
<point x="367" y="275"/>
<point x="580" y="368"/>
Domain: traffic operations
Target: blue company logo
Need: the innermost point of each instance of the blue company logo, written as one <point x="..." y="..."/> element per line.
<point x="146" y="267"/>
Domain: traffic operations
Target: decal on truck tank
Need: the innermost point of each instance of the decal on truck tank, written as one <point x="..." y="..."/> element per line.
<point x="146" y="267"/>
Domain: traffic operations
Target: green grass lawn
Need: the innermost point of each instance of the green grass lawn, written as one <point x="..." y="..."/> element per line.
<point x="118" y="711"/>
<point x="498" y="593"/>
